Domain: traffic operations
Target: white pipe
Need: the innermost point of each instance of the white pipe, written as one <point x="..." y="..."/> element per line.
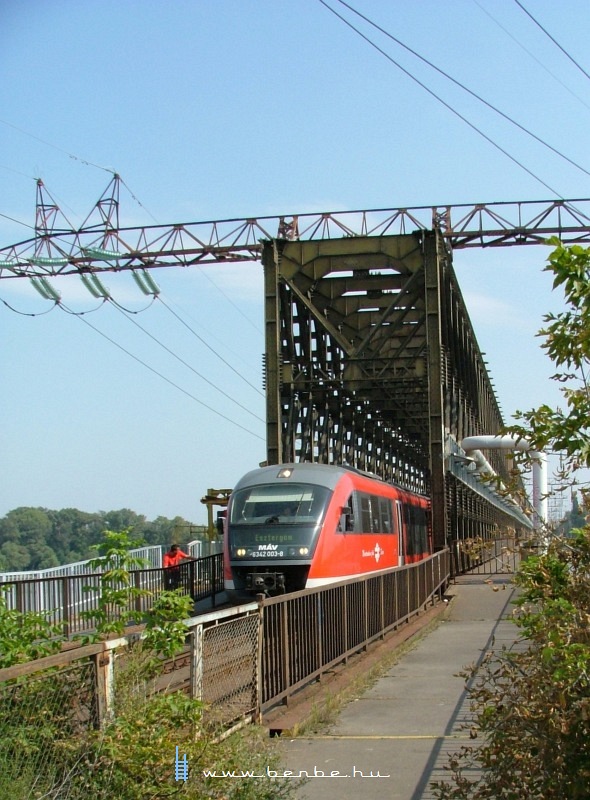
<point x="482" y="465"/>
<point x="473" y="443"/>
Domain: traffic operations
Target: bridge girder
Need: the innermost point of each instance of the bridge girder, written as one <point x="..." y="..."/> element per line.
<point x="371" y="360"/>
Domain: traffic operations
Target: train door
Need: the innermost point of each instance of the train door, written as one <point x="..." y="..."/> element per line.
<point x="400" y="532"/>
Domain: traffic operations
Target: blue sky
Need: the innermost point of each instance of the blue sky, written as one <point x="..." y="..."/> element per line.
<point x="213" y="109"/>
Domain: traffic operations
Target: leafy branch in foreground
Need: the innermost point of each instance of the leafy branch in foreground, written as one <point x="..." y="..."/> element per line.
<point x="114" y="608"/>
<point x="567" y="343"/>
<point x="25" y="636"/>
<point x="50" y="747"/>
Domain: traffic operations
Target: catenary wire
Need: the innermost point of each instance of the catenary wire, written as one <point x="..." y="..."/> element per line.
<point x="182" y="361"/>
<point x="18" y="222"/>
<point x="133" y="196"/>
<point x="55" y="147"/>
<point x="84" y="161"/>
<point x="201" y="339"/>
<point x="159" y="374"/>
<point x="236" y="372"/>
<point x="466" y="88"/>
<point x="555" y="42"/>
<point x="128" y="315"/>
<point x="187" y="314"/>
<point x="26" y="313"/>
<point x="443" y="102"/>
<point x="187" y="326"/>
<point x="230" y="301"/>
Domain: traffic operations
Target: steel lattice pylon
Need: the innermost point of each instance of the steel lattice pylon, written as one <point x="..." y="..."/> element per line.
<point x="101" y="244"/>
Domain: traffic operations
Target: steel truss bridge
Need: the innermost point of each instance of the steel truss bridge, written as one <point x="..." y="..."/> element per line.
<point x="370" y="356"/>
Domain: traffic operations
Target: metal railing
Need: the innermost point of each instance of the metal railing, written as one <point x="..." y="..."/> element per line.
<point x="150" y="554"/>
<point x="307" y="633"/>
<point x="63" y="599"/>
<point x="47" y="704"/>
<point x="485" y="556"/>
<point x="243" y="661"/>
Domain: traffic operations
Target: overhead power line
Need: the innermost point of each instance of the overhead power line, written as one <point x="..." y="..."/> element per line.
<point x="458" y="83"/>
<point x="220" y="357"/>
<point x="555" y="42"/>
<point x="49" y="293"/>
<point x="18" y="222"/>
<point x="443" y="102"/>
<point x="55" y="147"/>
<point x="159" y="374"/>
<point x="186" y="364"/>
<point x="532" y="55"/>
<point x="230" y="301"/>
<point x="73" y="156"/>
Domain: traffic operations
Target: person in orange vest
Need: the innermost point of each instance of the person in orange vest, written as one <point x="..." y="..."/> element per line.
<point x="171" y="563"/>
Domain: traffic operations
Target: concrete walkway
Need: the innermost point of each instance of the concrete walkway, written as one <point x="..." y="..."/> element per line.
<point x="402" y="730"/>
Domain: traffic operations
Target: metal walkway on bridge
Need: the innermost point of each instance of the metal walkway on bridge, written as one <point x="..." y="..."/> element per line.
<point x="406" y="725"/>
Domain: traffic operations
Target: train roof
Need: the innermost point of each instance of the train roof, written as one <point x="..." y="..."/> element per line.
<point x="326" y="475"/>
<point x="322" y="474"/>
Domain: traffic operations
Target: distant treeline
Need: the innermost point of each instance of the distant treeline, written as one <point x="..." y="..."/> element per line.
<point x="37" y="538"/>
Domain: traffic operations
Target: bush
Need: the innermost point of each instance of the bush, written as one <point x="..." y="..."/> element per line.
<point x="50" y="748"/>
<point x="532" y="703"/>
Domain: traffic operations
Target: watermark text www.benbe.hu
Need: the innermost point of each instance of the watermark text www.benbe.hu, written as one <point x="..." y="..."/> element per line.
<point x="181" y="772"/>
<point x="314" y="772"/>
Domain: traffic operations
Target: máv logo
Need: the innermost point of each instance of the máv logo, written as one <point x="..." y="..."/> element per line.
<point x="375" y="553"/>
<point x="378" y="552"/>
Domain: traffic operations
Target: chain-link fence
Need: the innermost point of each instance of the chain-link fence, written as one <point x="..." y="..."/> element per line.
<point x="43" y="714"/>
<point x="52" y="710"/>
<point x="230" y="658"/>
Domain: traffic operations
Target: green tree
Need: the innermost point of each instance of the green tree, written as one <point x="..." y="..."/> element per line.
<point x="167" y="531"/>
<point x="37" y="538"/>
<point x="74" y="532"/>
<point x="567" y="343"/>
<point x="43" y="558"/>
<point x="532" y="705"/>
<point x="124" y="519"/>
<point x="29" y="528"/>
<point x="16" y="557"/>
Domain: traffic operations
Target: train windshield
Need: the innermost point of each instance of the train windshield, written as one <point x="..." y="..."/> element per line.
<point x="286" y="504"/>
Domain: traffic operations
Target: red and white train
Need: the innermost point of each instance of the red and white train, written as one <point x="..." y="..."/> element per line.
<point x="297" y="526"/>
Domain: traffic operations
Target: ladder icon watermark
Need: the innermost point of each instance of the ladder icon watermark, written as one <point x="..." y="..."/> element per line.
<point x="181" y="767"/>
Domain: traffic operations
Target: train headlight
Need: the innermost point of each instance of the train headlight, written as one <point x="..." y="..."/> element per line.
<point x="303" y="551"/>
<point x="241" y="551"/>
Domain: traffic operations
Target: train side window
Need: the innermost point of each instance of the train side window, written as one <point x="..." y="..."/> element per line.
<point x="375" y="514"/>
<point x="409" y="529"/>
<point x="346" y="522"/>
<point x="417" y="530"/>
<point x="366" y="513"/>
<point x="423" y="530"/>
<point x="385" y="515"/>
<point x="399" y="518"/>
